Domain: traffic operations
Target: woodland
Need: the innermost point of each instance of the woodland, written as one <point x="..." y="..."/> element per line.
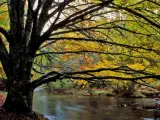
<point x="90" y="43"/>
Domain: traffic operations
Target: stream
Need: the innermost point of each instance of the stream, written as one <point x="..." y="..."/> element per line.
<point x="71" y="107"/>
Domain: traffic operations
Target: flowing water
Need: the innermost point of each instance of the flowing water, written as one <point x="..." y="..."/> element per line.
<point x="69" y="107"/>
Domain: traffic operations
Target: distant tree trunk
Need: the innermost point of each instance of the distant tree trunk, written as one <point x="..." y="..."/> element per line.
<point x="131" y="88"/>
<point x="130" y="91"/>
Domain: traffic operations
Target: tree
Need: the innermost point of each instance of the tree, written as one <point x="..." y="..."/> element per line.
<point x="38" y="26"/>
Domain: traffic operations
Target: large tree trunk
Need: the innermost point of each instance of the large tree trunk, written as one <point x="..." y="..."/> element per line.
<point x="19" y="98"/>
<point x="20" y="92"/>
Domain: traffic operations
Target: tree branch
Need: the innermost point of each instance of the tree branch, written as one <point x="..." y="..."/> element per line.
<point x="74" y="17"/>
<point x="88" y="75"/>
<point x="5" y="33"/>
<point x="105" y="42"/>
<point x="137" y="14"/>
<point x="49" y="77"/>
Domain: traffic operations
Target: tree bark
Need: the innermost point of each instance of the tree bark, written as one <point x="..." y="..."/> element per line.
<point x="19" y="98"/>
<point x="20" y="91"/>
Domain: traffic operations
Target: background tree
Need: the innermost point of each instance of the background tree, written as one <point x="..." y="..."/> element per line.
<point x="111" y="29"/>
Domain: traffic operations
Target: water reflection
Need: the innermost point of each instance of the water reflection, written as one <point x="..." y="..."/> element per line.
<point x="88" y="108"/>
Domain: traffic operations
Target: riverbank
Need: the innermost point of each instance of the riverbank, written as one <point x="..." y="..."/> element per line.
<point x="143" y="92"/>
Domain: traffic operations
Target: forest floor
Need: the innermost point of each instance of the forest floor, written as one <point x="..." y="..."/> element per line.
<point x="4" y="115"/>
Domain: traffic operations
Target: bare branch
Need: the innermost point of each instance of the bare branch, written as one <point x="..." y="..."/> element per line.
<point x="74" y="17"/>
<point x="88" y="75"/>
<point x="136" y="13"/>
<point x="5" y="33"/>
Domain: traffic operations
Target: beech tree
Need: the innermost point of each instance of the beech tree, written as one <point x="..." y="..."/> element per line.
<point x="37" y="24"/>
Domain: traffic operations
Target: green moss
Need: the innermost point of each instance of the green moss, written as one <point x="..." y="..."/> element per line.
<point x="102" y="92"/>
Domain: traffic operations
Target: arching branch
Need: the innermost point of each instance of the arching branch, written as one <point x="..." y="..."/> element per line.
<point x="88" y="75"/>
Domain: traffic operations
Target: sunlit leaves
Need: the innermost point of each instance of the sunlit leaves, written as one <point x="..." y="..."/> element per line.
<point x="4" y="20"/>
<point x="2" y="74"/>
<point x="81" y="83"/>
<point x="136" y="66"/>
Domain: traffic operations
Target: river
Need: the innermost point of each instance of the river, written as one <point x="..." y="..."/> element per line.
<point x="70" y="107"/>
